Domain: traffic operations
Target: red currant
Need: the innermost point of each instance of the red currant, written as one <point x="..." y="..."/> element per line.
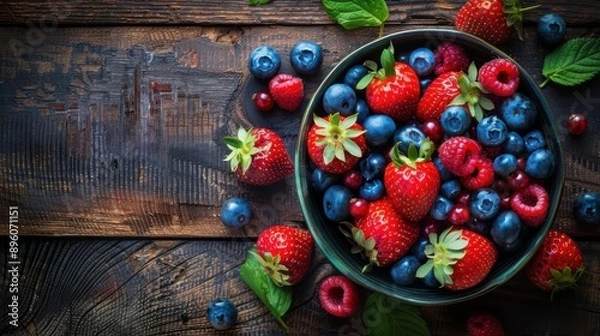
<point x="577" y="124"/>
<point x="459" y="215"/>
<point x="518" y="180"/>
<point x="463" y="197"/>
<point x="263" y="101"/>
<point x="353" y="179"/>
<point x="433" y="130"/>
<point x="358" y="207"/>
<point x="430" y="225"/>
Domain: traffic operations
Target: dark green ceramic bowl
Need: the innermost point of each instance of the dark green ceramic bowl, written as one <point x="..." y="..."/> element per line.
<point x="327" y="234"/>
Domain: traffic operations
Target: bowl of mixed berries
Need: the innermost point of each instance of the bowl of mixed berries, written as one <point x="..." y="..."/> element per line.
<point x="428" y="166"/>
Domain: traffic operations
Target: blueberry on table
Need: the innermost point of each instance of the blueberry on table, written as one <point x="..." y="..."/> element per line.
<point x="586" y="208"/>
<point x="422" y="60"/>
<point x="339" y="98"/>
<point x="222" y="314"/>
<point x="518" y="112"/>
<point x="404" y="271"/>
<point x="551" y="29"/>
<point x="306" y="57"/>
<point x="264" y="62"/>
<point x="236" y="212"/>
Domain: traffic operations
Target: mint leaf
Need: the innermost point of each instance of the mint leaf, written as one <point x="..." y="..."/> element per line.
<point x="384" y="316"/>
<point x="258" y="2"/>
<point x="574" y="62"/>
<point x="352" y="14"/>
<point x="277" y="299"/>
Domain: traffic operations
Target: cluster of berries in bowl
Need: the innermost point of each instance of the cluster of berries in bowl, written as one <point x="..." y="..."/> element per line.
<point x="433" y="158"/>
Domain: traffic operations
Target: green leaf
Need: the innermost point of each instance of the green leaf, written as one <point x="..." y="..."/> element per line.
<point x="277" y="299"/>
<point x="574" y="62"/>
<point x="363" y="82"/>
<point x="258" y="2"/>
<point x="383" y="316"/>
<point x="353" y="14"/>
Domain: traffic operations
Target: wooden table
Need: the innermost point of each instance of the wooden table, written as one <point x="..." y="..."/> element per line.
<point x="111" y="115"/>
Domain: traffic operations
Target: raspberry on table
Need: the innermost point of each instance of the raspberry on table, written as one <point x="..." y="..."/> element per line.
<point x="287" y="91"/>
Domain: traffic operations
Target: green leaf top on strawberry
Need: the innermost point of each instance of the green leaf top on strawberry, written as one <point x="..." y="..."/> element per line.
<point x="459" y="258"/>
<point x="258" y="156"/>
<point x="412" y="181"/>
<point x="393" y="89"/>
<point x="336" y="143"/>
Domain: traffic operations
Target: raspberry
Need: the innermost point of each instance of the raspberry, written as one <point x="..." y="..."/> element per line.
<point x="484" y="324"/>
<point x="287" y="91"/>
<point x="450" y="56"/>
<point x="499" y="77"/>
<point x="531" y="204"/>
<point x="339" y="296"/>
<point x="458" y="154"/>
<point x="481" y="177"/>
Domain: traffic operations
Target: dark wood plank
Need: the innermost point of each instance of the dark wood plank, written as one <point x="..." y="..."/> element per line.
<point x="142" y="287"/>
<point x="116" y="131"/>
<point x="286" y="12"/>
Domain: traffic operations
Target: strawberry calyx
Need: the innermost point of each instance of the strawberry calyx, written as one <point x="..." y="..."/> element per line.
<point x="413" y="155"/>
<point x="443" y="252"/>
<point x="242" y="148"/>
<point x="514" y="15"/>
<point x="565" y="279"/>
<point x="361" y="245"/>
<point x="273" y="267"/>
<point x="336" y="136"/>
<point x="472" y="94"/>
<point x="387" y="61"/>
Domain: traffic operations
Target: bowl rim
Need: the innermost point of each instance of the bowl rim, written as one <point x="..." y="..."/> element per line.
<point x="300" y="164"/>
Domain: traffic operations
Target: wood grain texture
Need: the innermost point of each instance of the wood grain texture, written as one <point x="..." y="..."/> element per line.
<point x="162" y="287"/>
<point x="116" y="131"/>
<point x="287" y="12"/>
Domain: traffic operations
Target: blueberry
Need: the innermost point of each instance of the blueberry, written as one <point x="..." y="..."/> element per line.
<point x="586" y="207"/>
<point x="408" y="134"/>
<point x="430" y="281"/>
<point x="455" y="120"/>
<point x="491" y="131"/>
<point x="540" y="164"/>
<point x="450" y="189"/>
<point x="264" y="62"/>
<point x="336" y="202"/>
<point x="484" y="204"/>
<point x="518" y="112"/>
<point x="514" y="144"/>
<point x="221" y="314"/>
<point x="404" y="270"/>
<point x="306" y="57"/>
<point x="339" y="98"/>
<point x="371" y="190"/>
<point x="418" y="248"/>
<point x="379" y="129"/>
<point x="372" y="165"/>
<point x="321" y="180"/>
<point x="506" y="228"/>
<point x="515" y="245"/>
<point x="533" y="141"/>
<point x="505" y="164"/>
<point x="445" y="175"/>
<point x="441" y="208"/>
<point x="355" y="74"/>
<point x="551" y="29"/>
<point x="422" y="61"/>
<point x="236" y="212"/>
<point x="481" y="227"/>
<point x="363" y="110"/>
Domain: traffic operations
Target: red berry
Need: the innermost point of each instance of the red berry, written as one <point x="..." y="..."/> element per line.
<point x="450" y="56"/>
<point x="358" y="207"/>
<point x="521" y="162"/>
<point x="339" y="296"/>
<point x="433" y="130"/>
<point x="577" y="124"/>
<point x="263" y="101"/>
<point x="431" y="225"/>
<point x="531" y="204"/>
<point x="287" y="91"/>
<point x="481" y="177"/>
<point x="518" y="180"/>
<point x="499" y="77"/>
<point x="493" y="151"/>
<point x="484" y="324"/>
<point x="459" y="214"/>
<point x="459" y="155"/>
<point x="352" y="179"/>
<point x="463" y="197"/>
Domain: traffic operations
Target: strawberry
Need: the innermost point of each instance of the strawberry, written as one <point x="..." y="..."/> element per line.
<point x="284" y="252"/>
<point x="394" y="89"/>
<point x="258" y="156"/>
<point x="412" y="182"/>
<point x="382" y="235"/>
<point x="287" y="91"/>
<point x="558" y="263"/>
<point x="460" y="155"/>
<point x="459" y="258"/>
<point x="491" y="20"/>
<point x="454" y="88"/>
<point x="482" y="323"/>
<point x="336" y="143"/>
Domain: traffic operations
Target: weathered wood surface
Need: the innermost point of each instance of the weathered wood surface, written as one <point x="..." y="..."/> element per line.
<point x="177" y="12"/>
<point x="162" y="287"/>
<point x="116" y="131"/>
